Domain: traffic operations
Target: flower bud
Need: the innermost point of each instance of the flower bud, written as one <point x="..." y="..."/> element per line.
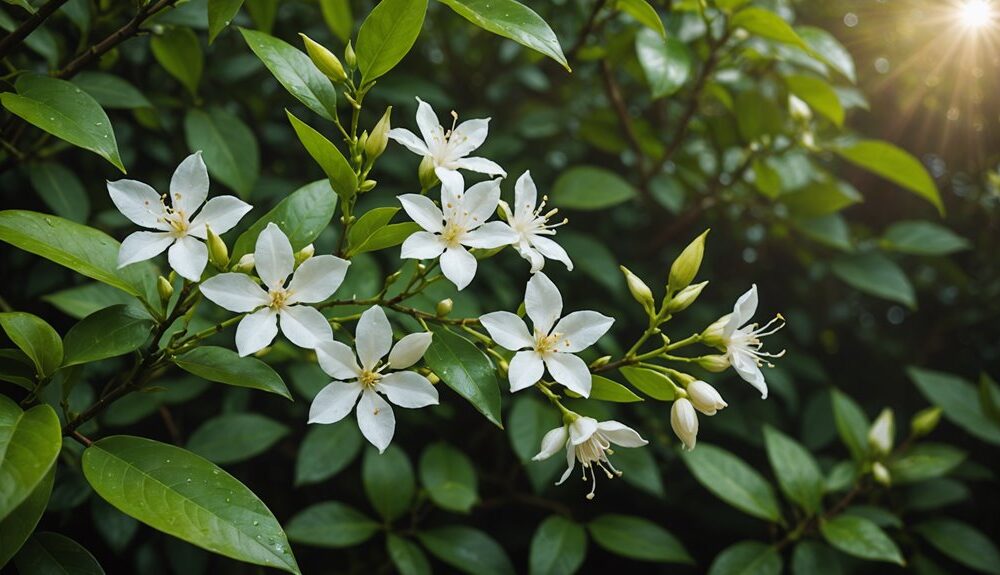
<point x="246" y="264"/>
<point x="433" y="378"/>
<point x="882" y="432"/>
<point x="600" y="362"/>
<point x="798" y="109"/>
<point x="367" y="186"/>
<point x="881" y="474"/>
<point x="639" y="290"/>
<point x="714" y="335"/>
<point x="714" y="363"/>
<point x="164" y="288"/>
<point x="925" y="421"/>
<point x="685" y="298"/>
<point x="325" y="60"/>
<point x="705" y="398"/>
<point x="685" y="267"/>
<point x="393" y="278"/>
<point x="428" y="179"/>
<point x="350" y="57"/>
<point x="304" y="254"/>
<point x="684" y="421"/>
<point x="444" y="307"/>
<point x="218" y="253"/>
<point x="379" y="138"/>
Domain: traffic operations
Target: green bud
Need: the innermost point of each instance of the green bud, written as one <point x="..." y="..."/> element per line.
<point x="393" y="278"/>
<point x="325" y="60"/>
<point x="714" y="363"/>
<point x="218" y="253"/>
<point x="925" y="421"/>
<point x="600" y="362"/>
<point x="685" y="267"/>
<point x="639" y="290"/>
<point x="350" y="57"/>
<point x="882" y="432"/>
<point x="684" y="298"/>
<point x="246" y="264"/>
<point x="367" y="186"/>
<point x="428" y="179"/>
<point x="713" y="334"/>
<point x="164" y="288"/>
<point x="304" y="254"/>
<point x="881" y="474"/>
<point x="444" y="307"/>
<point x="379" y="137"/>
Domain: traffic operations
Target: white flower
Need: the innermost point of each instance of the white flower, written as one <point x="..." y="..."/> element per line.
<point x="705" y="398"/>
<point x="743" y="345"/>
<point x="404" y="388"/>
<point x="462" y="224"/>
<point x="448" y="150"/>
<point x="589" y="442"/>
<point x="882" y="432"/>
<point x="551" y="347"/>
<point x="684" y="421"/>
<point x="176" y="228"/>
<point x="531" y="225"/>
<point x="314" y="281"/>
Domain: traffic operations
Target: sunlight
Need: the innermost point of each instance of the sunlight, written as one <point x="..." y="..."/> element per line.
<point x="975" y="14"/>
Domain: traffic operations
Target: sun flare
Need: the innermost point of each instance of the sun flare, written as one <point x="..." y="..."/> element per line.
<point x="976" y="14"/>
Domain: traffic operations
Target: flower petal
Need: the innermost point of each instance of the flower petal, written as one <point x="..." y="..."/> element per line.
<point x="189" y="185"/>
<point x="581" y="329"/>
<point x="222" y="213"/>
<point x="316" y="279"/>
<point x="507" y="329"/>
<point x="304" y="326"/>
<point x="525" y="370"/>
<point x="139" y="203"/>
<point x="552" y="442"/>
<point x="570" y="371"/>
<point x="409" y="350"/>
<point x="452" y="193"/>
<point x="408" y="389"/>
<point x="188" y="257"/>
<point x="376" y="420"/>
<point x="570" y="462"/>
<point x="430" y="127"/>
<point x="334" y="401"/>
<point x="468" y="136"/>
<point x="481" y="201"/>
<point x="581" y="429"/>
<point x="423" y="211"/>
<point x="412" y="142"/>
<point x="489" y="236"/>
<point x="337" y="360"/>
<point x="459" y="266"/>
<point x="256" y="331"/>
<point x="373" y="337"/>
<point x="525" y="195"/>
<point x="621" y="434"/>
<point x="273" y="256"/>
<point x="551" y="250"/>
<point x="422" y="246"/>
<point x="747" y="367"/>
<point x="534" y="256"/>
<point x="542" y="302"/>
<point x="480" y="165"/>
<point x="235" y="292"/>
<point x="743" y="311"/>
<point x="140" y="246"/>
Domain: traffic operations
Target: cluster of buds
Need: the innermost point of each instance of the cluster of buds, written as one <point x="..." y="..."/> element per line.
<point x="696" y="396"/>
<point x="882" y="437"/>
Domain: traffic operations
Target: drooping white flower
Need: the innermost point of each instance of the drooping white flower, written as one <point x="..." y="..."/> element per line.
<point x="547" y="347"/>
<point x="177" y="226"/>
<point x="531" y="225"/>
<point x="705" y="398"/>
<point x="314" y="281"/>
<point x="684" y="422"/>
<point x="404" y="388"/>
<point x="743" y="344"/>
<point x="448" y="150"/>
<point x="461" y="224"/>
<point x="588" y="442"/>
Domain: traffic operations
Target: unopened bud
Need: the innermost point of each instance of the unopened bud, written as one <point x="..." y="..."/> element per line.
<point x="393" y="278"/>
<point x="444" y="307"/>
<point x="714" y="363"/>
<point x="428" y="179"/>
<point x="325" y="60"/>
<point x="367" y="185"/>
<point x="246" y="264"/>
<point x="705" y="398"/>
<point x="925" y="421"/>
<point x="304" y="254"/>
<point x="379" y="138"/>
<point x="600" y="362"/>
<point x="639" y="290"/>
<point x="164" y="288"/>
<point x="882" y="432"/>
<point x="798" y="109"/>
<point x="218" y="253"/>
<point x="685" y="267"/>
<point x="350" y="57"/>
<point x="714" y="334"/>
<point x="684" y="422"/>
<point x="881" y="474"/>
<point x="433" y="378"/>
<point x="684" y="298"/>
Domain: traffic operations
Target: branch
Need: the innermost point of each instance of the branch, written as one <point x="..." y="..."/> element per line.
<point x="588" y="27"/>
<point x="29" y="26"/>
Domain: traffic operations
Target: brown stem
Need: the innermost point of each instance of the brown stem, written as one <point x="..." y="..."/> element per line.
<point x="83" y="439"/>
<point x="21" y="32"/>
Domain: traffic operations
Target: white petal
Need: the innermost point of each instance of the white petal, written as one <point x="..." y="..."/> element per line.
<point x="552" y="442"/>
<point x="581" y="329"/>
<point x="373" y="337"/>
<point x="235" y="292"/>
<point x="140" y="246"/>
<point x="430" y="127"/>
<point x="423" y="211"/>
<point x="189" y="185"/>
<point x="304" y="326"/>
<point x="543" y="302"/>
<point x="337" y="360"/>
<point x="410" y="140"/>
<point x="481" y="201"/>
<point x="256" y="331"/>
<point x="532" y="255"/>
<point x="582" y="429"/>
<point x="525" y="370"/>
<point x="139" y="203"/>
<point x="480" y="165"/>
<point x="408" y="389"/>
<point x="621" y="434"/>
<point x="376" y="420"/>
<point x="525" y="195"/>
<point x="409" y="350"/>
<point x="221" y="214"/>
<point x="273" y="256"/>
<point x="452" y="193"/>
<point x="570" y="462"/>
<point x="748" y="369"/>
<point x="422" y="246"/>
<point x="316" y="279"/>
<point x="570" y="371"/>
<point x="334" y="401"/>
<point x="743" y="311"/>
<point x="468" y="136"/>
<point x="507" y="329"/>
<point x="459" y="266"/>
<point x="188" y="257"/>
<point x="552" y="250"/>
<point x="489" y="236"/>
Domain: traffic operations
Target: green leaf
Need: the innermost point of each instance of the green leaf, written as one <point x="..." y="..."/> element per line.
<point x="820" y="198"/>
<point x="336" y="167"/>
<point x="220" y="14"/>
<point x="767" y="24"/>
<point x="639" y="469"/>
<point x="17" y="368"/>
<point x="819" y="95"/>
<point x="466" y="549"/>
<point x="407" y="556"/>
<point x="815" y="558"/>
<point x="80" y="301"/>
<point x="54" y="553"/>
<point x="339" y="19"/>
<point x="109" y="332"/>
<point x="302" y="216"/>
<point x="558" y="547"/>
<point x="876" y="515"/>
<point x="959" y="400"/>
<point x="21" y="522"/>
<point x="923" y="238"/>
<point x="852" y="424"/>
<point x="637" y="538"/>
<point x="652" y="383"/>
<point x="149" y="480"/>
<point x="733" y="481"/>
<point x="924" y="461"/>
<point x="373" y="232"/>
<point x="178" y="50"/>
<point x="860" y="537"/>
<point x="666" y="62"/>
<point x="466" y="370"/>
<point x="41" y="41"/>
<point x="224" y="365"/>
<point x="235" y="437"/>
<point x="66" y="112"/>
<point x="644" y="13"/>
<point x="605" y="389"/>
<point x="757" y="116"/>
<point x="963" y="543"/>
<point x="449" y="477"/>
<point x="116" y="528"/>
<point x="228" y="146"/>
<point x="61" y="190"/>
<point x="388" y="481"/>
<point x="295" y="71"/>
<point x="877" y="275"/>
<point x="595" y="260"/>
<point x="590" y="188"/>
<point x="830" y="230"/>
<point x="798" y="474"/>
<point x="747" y="558"/>
<point x="36" y="338"/>
<point x="29" y="444"/>
<point x="528" y="422"/>
<point x="893" y="164"/>
<point x="327" y="450"/>
<point x="331" y="524"/>
<point x="111" y="91"/>
<point x="387" y="34"/>
<point x="826" y="46"/>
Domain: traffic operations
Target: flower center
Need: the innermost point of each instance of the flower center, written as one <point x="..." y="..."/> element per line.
<point x="278" y="297"/>
<point x="452" y="234"/>
<point x="748" y="339"/>
<point x="369" y="378"/>
<point x="536" y="222"/>
<point x="594" y="453"/>
<point x="546" y="343"/>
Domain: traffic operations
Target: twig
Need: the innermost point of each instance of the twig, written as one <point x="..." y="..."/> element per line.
<point x="29" y="26"/>
<point x="588" y="27"/>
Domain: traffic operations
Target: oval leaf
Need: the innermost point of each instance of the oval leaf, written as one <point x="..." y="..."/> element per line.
<point x="877" y="275"/>
<point x="733" y="481"/>
<point x="590" y="188"/>
<point x="295" y="71"/>
<point x="228" y="146"/>
<point x="637" y="538"/>
<point x="387" y="34"/>
<point x="331" y="524"/>
<point x="336" y="167"/>
<point x="558" y="547"/>
<point x="465" y="369"/>
<point x="388" y="481"/>
<point x="235" y="437"/>
<point x="449" y="477"/>
<point x="747" y="558"/>
<point x="468" y="550"/>
<point x="21" y="522"/>
<point x="860" y="537"/>
<point x="54" y="553"/>
<point x="29" y="444"/>
<point x="302" y="216"/>
<point x="178" y="50"/>
<point x="895" y="165"/>
<point x="36" y="338"/>
<point x="963" y="543"/>
<point x="326" y="450"/>
<point x="665" y="61"/>
<point x="798" y="474"/>
<point x="109" y="332"/>
<point x="224" y="365"/>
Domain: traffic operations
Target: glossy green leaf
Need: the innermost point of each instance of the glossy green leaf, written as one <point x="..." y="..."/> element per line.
<point x="798" y="474"/>
<point x="21" y="522"/>
<point x="652" y="383"/>
<point x="336" y="167"/>
<point x="66" y="112"/>
<point x="466" y="370"/>
<point x="178" y="50"/>
<point x="17" y="368"/>
<point x="959" y="400"/>
<point x="326" y="450"/>
<point x="637" y="538"/>
<point x="924" y="461"/>
<point x="29" y="443"/>
<point x="111" y="91"/>
<point x="449" y="477"/>
<point x="116" y="528"/>
<point x="109" y="332"/>
<point x="558" y="547"/>
<point x="895" y="165"/>
<point x="852" y="424"/>
<point x="228" y="146"/>
<point x="468" y="550"/>
<point x="373" y="231"/>
<point x="302" y="216"/>
<point x="590" y="188"/>
<point x="80" y="301"/>
<point x="224" y="365"/>
<point x="220" y="14"/>
<point x="53" y="553"/>
<point x="184" y="495"/>
<point x="640" y="469"/>
<point x="529" y="420"/>
<point x="826" y="46"/>
<point x="387" y="34"/>
<point x="815" y="558"/>
<point x="766" y="24"/>
<point x="665" y="61"/>
<point x="877" y="515"/>
<point x="733" y="481"/>
<point x="407" y="556"/>
<point x="338" y="17"/>
<point x="644" y="13"/>
<point x="60" y="189"/>
<point x="820" y="198"/>
<point x="295" y="71"/>
<point x="331" y="524"/>
<point x="747" y="558"/>
<point x="923" y="238"/>
<point x="235" y="437"/>
<point x="877" y="275"/>
<point x="830" y="230"/>
<point x="962" y="542"/>
<point x="819" y="95"/>
<point x="605" y="389"/>
<point x="388" y="480"/>
<point x="860" y="537"/>
<point x="36" y="338"/>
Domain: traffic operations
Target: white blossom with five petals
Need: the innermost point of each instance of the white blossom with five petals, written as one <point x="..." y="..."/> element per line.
<point x="547" y="347"/>
<point x="373" y="341"/>
<point x="315" y="280"/>
<point x="743" y="344"/>
<point x="176" y="225"/>
<point x="531" y="225"/>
